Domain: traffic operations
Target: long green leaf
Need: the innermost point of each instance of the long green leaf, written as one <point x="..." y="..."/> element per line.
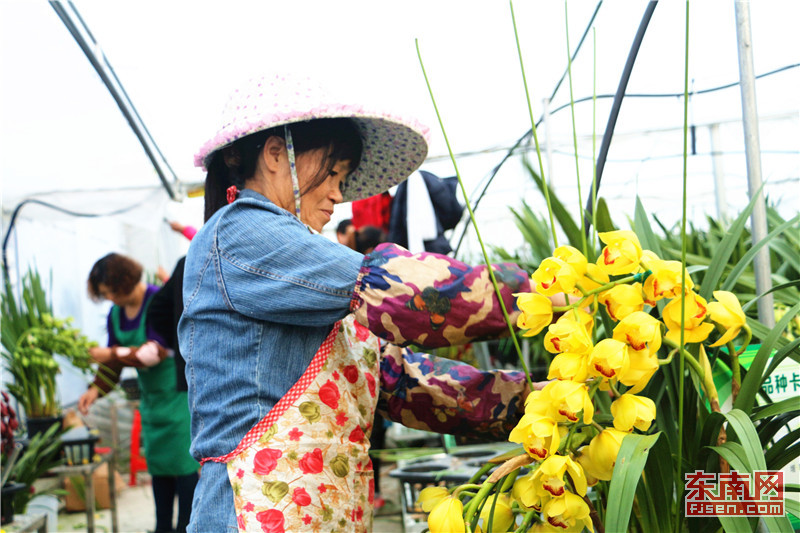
<point x="755" y="374"/>
<point x="748" y="437"/>
<point x="720" y="257"/>
<point x="631" y="459"/>
<point x="780" y="355"/>
<point x="751" y="253"/>
<point x="644" y="231"/>
<point x="784" y="406"/>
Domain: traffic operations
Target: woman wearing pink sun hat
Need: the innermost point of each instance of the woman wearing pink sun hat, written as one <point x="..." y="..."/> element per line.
<point x="281" y="325"/>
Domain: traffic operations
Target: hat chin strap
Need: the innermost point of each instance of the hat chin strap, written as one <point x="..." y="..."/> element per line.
<point x="293" y="169"/>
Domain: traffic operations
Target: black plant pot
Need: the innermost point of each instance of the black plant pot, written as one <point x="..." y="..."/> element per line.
<point x="39" y="425"/>
<point x="7" y="504"/>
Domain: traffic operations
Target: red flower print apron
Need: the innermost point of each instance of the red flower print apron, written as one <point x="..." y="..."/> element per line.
<point x="305" y="466"/>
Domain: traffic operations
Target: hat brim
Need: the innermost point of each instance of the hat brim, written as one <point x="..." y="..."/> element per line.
<point x="393" y="147"/>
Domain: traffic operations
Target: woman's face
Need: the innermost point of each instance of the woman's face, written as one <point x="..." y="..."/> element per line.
<point x="107" y="293"/>
<point x="316" y="206"/>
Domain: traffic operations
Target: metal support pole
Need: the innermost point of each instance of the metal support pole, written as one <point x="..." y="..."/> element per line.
<point x="719" y="175"/>
<point x="758" y="219"/>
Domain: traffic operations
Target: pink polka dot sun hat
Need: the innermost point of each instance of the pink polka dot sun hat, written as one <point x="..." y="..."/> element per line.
<point x="394" y="146"/>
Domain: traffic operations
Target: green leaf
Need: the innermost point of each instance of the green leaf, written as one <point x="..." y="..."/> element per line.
<point x="748" y="438"/>
<point x="784" y="406"/>
<point x="720" y="257"/>
<point x="644" y="231"/>
<point x="631" y="460"/>
<point x="752" y="381"/>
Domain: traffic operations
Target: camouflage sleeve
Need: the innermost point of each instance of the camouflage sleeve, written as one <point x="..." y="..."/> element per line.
<point x="436" y="394"/>
<point x="433" y="300"/>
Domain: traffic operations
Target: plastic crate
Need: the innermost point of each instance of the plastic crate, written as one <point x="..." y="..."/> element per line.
<point x="78" y="446"/>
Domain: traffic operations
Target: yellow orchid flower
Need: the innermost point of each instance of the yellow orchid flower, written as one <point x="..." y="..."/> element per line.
<point x="640" y="368"/>
<point x="567" y="335"/>
<point x="631" y="411"/>
<point x="567" y="399"/>
<point x="665" y="280"/>
<point x="622" y="300"/>
<point x="550" y="475"/>
<point x="696" y="330"/>
<point x="727" y="312"/>
<point x="446" y="516"/>
<point x="621" y="254"/>
<point x="526" y="494"/>
<point x="648" y="258"/>
<point x="603" y="451"/>
<point x="582" y="458"/>
<point x="539" y="434"/>
<point x="592" y="279"/>
<point x="581" y="317"/>
<point x="536" y="312"/>
<point x="502" y="516"/>
<point x="608" y="358"/>
<point x="571" y="366"/>
<point x="573" y="257"/>
<point x="640" y="331"/>
<point x="568" y="513"/>
<point x="554" y="276"/>
<point x="429" y="497"/>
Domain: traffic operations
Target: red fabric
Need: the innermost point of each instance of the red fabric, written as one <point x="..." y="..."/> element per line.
<point x="373" y="211"/>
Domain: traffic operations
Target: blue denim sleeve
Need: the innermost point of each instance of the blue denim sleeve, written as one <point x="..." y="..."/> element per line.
<point x="273" y="268"/>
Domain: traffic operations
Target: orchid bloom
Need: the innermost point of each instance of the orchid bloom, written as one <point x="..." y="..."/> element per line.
<point x="582" y="458"/>
<point x="500" y="512"/>
<point x="593" y="278"/>
<point x="631" y="411"/>
<point x="640" y="331"/>
<point x="568" y="513"/>
<point x="573" y="257"/>
<point x="567" y="335"/>
<point x="526" y="494"/>
<point x="621" y="254"/>
<point x="567" y="399"/>
<point x="640" y="368"/>
<point x="695" y="329"/>
<point x="727" y="312"/>
<point x="569" y="366"/>
<point x="550" y="475"/>
<point x="554" y="276"/>
<point x="539" y="434"/>
<point x="608" y="358"/>
<point x="665" y="280"/>
<point x="536" y="312"/>
<point x="622" y="300"/>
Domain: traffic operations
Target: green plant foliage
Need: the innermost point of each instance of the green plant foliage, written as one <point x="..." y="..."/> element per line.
<point x="42" y="453"/>
<point x="31" y="338"/>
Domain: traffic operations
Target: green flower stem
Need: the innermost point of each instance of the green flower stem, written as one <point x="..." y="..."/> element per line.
<point x="736" y="382"/>
<point x="533" y="127"/>
<point x="464" y="488"/>
<point x="706" y="379"/>
<point x="748" y="336"/>
<point x="475" y="225"/>
<point x="484" y="469"/>
<point x="614" y="389"/>
<point x="667" y="360"/>
<point x="526" y="522"/>
<point x="587" y="294"/>
<point x="598" y="427"/>
<point x="473" y="505"/>
<point x="574" y="134"/>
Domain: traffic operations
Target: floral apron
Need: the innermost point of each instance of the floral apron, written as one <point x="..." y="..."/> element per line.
<point x="305" y="466"/>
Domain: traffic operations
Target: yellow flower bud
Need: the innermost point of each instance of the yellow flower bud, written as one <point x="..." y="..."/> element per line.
<point x="446" y="516"/>
<point x="536" y="312"/>
<point x="603" y="451"/>
<point x="430" y="496"/>
<point x="727" y="312"/>
<point x="500" y="512"/>
<point x="621" y="254"/>
<point x="631" y="411"/>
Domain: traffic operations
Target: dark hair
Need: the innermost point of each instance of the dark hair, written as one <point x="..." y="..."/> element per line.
<point x="117" y="272"/>
<point x="236" y="163"/>
<point x="343" y="225"/>
<point x="368" y="237"/>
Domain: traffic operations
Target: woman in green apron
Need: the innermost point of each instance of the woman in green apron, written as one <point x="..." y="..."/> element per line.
<point x="132" y="341"/>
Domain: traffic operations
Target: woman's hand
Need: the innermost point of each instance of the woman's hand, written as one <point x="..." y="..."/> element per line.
<point x="87" y="399"/>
